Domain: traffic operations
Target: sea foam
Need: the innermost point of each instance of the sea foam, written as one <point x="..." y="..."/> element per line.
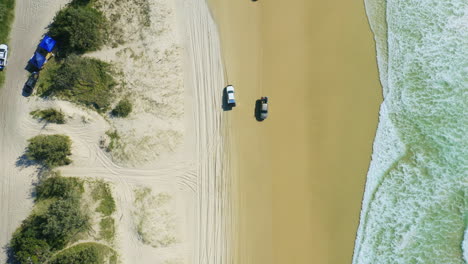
<point x="415" y="203"/>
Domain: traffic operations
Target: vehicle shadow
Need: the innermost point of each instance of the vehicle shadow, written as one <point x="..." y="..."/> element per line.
<point x="257" y="110"/>
<point x="224" y="100"/>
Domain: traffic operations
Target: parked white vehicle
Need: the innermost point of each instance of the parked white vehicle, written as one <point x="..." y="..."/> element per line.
<point x="3" y="56"/>
<point x="231" y="100"/>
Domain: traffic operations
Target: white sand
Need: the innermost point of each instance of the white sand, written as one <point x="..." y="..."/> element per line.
<point x="172" y="143"/>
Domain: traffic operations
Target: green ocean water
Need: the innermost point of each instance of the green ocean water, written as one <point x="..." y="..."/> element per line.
<point x="415" y="206"/>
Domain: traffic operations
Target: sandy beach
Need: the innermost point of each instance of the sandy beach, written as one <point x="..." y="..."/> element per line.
<point x="171" y="145"/>
<point x="301" y="172"/>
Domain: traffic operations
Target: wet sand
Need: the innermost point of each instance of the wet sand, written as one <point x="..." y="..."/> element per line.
<point x="301" y="172"/>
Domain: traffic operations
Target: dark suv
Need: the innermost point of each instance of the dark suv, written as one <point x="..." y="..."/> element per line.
<point x="29" y="87"/>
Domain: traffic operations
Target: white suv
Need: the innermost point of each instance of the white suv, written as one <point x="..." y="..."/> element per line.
<point x="3" y="55"/>
<point x="231" y="100"/>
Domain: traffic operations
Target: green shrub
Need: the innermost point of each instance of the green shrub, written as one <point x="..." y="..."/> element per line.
<point x="27" y="244"/>
<point x="59" y="187"/>
<point x="51" y="150"/>
<point x="50" y="115"/>
<point x="78" y="28"/>
<point x="81" y="80"/>
<point x="62" y="221"/>
<point x="51" y="229"/>
<point x="122" y="109"/>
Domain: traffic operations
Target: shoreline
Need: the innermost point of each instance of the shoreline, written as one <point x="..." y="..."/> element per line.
<point x="317" y="63"/>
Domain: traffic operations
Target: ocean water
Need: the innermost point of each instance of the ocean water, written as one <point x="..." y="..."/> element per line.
<point x="415" y="205"/>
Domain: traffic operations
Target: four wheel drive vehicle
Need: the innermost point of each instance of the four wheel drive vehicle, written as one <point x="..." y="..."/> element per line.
<point x="3" y="55"/>
<point x="231" y="100"/>
<point x="264" y="108"/>
<point x="29" y="87"/>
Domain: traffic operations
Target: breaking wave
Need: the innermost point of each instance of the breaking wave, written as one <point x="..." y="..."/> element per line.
<point x="415" y="208"/>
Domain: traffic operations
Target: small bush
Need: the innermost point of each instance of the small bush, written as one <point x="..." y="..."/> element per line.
<point x="50" y="115"/>
<point x="78" y="28"/>
<point x="123" y="108"/>
<point x="81" y="80"/>
<point x="59" y="187"/>
<point x="51" y="150"/>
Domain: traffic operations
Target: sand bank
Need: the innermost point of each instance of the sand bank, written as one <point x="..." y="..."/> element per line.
<point x="301" y="173"/>
<point x="180" y="92"/>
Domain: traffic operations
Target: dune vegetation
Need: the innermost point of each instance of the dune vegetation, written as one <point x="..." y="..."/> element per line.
<point x="80" y="80"/>
<point x="122" y="109"/>
<point x="50" y="115"/>
<point x="56" y="220"/>
<point x="78" y="28"/>
<point x="61" y="218"/>
<point x="50" y="150"/>
<point x="7" y="11"/>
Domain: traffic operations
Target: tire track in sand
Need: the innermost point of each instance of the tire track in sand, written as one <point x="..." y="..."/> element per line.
<point x="214" y="211"/>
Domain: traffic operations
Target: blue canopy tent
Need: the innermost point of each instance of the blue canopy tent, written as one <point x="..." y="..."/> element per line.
<point x="38" y="60"/>
<point x="47" y="43"/>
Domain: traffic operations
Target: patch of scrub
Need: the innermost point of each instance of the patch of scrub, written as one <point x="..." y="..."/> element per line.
<point x="101" y="206"/>
<point x="154" y="219"/>
<point x="56" y="221"/>
<point x="414" y="207"/>
<point x="66" y="211"/>
<point x="81" y="80"/>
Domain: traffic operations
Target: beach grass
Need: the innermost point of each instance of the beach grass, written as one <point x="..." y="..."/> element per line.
<point x="114" y="139"/>
<point x="7" y="11"/>
<point x="102" y="193"/>
<point x="49" y="115"/>
<point x="107" y="228"/>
